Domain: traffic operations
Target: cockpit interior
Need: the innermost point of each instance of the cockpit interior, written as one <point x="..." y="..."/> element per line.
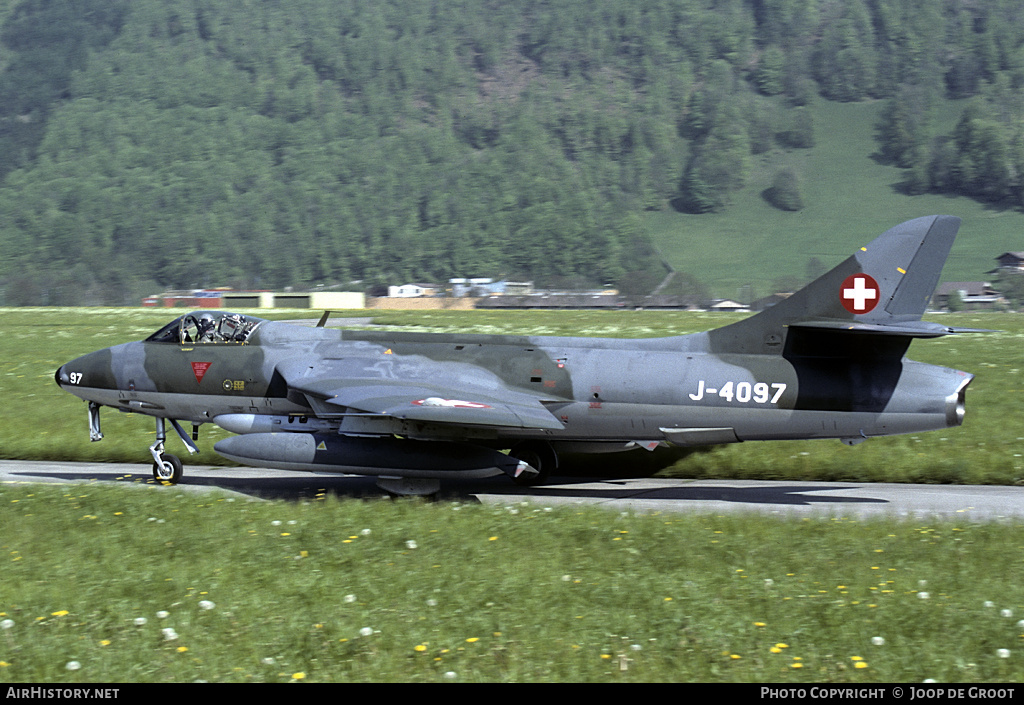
<point x="207" y="327"/>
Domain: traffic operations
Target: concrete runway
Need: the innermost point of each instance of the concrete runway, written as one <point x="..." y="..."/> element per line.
<point x="850" y="499"/>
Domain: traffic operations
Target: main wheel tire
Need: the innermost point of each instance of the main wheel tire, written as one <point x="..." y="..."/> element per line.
<point x="168" y="471"/>
<point x="540" y="456"/>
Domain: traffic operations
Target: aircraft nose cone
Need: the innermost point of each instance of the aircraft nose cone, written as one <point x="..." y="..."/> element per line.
<point x="61" y="377"/>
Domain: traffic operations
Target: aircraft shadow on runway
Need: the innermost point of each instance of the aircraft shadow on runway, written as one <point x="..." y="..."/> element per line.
<point x="760" y="494"/>
<point x="303" y="486"/>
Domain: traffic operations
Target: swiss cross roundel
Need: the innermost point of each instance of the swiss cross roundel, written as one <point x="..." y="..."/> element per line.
<point x="859" y="293"/>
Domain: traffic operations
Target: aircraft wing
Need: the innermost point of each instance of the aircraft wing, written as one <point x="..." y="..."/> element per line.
<point x="453" y="401"/>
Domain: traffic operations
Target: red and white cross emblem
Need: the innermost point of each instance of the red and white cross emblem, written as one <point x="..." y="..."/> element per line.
<point x="859" y="293"/>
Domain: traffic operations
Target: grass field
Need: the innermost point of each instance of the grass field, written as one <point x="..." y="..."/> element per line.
<point x="153" y="584"/>
<point x="120" y="584"/>
<point x="850" y="199"/>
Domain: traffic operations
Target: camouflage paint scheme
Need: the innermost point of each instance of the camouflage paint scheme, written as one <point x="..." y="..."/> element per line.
<point x="828" y="362"/>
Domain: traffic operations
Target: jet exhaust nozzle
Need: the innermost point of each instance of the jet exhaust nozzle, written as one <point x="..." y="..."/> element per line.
<point x="956" y="403"/>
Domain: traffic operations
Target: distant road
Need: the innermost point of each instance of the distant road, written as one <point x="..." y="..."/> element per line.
<point x="851" y="499"/>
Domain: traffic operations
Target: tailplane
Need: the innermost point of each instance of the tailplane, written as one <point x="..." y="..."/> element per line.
<point x="882" y="289"/>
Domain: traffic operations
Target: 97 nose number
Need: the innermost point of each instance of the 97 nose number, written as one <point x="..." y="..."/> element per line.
<point x="743" y="392"/>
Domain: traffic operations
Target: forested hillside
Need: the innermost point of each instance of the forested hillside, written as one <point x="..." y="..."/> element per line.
<point x="186" y="143"/>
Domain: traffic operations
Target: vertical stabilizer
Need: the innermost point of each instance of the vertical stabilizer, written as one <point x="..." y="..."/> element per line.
<point x="884" y="288"/>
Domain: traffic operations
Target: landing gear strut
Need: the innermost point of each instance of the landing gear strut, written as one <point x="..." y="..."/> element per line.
<point x="540" y="456"/>
<point x="167" y="468"/>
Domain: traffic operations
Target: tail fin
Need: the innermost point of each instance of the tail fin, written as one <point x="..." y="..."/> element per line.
<point x="883" y="288"/>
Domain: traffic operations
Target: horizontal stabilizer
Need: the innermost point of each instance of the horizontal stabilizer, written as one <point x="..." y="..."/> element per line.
<point x="910" y="329"/>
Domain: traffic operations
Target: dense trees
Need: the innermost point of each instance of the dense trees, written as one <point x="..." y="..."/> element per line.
<point x="204" y="142"/>
<point x="984" y="155"/>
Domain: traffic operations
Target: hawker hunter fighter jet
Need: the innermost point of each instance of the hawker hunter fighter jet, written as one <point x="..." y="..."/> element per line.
<point x="413" y="408"/>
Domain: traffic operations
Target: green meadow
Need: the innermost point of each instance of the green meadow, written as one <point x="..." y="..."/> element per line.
<point x="119" y="584"/>
<point x="849" y="200"/>
<point x="152" y="584"/>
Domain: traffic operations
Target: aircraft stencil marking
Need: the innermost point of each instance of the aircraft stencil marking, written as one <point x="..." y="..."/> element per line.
<point x="199" y="370"/>
<point x="826" y="362"/>
<point x="743" y="392"/>
<point x="860" y="293"/>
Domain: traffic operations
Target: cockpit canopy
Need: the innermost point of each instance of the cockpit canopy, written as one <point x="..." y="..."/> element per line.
<point x="207" y="327"/>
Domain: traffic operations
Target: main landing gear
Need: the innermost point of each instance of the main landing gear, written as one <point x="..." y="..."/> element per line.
<point x="540" y="456"/>
<point x="167" y="468"/>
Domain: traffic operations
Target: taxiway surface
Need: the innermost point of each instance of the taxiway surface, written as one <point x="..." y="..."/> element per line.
<point x="851" y="499"/>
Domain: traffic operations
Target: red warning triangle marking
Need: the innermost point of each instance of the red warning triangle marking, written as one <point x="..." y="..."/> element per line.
<point x="199" y="369"/>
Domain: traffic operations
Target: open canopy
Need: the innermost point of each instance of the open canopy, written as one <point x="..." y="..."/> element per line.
<point x="207" y="327"/>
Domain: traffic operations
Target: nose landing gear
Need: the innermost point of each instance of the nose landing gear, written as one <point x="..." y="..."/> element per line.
<point x="167" y="468"/>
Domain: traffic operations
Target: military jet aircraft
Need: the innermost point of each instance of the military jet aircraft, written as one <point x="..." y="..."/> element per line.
<point x="413" y="409"/>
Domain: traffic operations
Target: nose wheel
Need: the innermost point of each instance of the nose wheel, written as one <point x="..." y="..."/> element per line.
<point x="167" y="469"/>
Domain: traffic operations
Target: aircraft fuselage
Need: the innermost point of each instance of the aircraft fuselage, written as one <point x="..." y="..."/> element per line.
<point x="605" y="390"/>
